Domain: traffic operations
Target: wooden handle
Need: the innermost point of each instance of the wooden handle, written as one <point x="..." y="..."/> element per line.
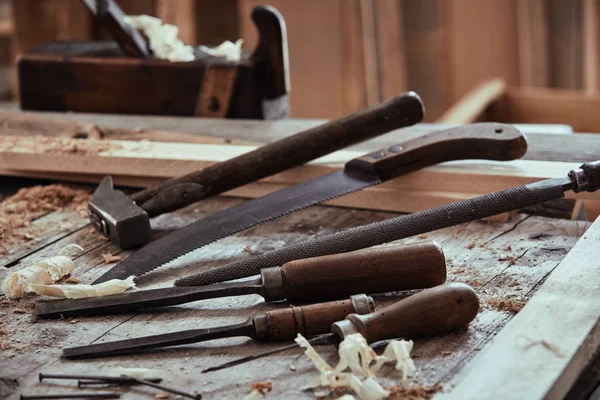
<point x="401" y="111"/>
<point x="484" y="141"/>
<point x="309" y="320"/>
<point x="430" y="312"/>
<point x="378" y="270"/>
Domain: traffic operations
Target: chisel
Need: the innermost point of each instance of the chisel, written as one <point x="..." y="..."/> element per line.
<point x="430" y="312"/>
<point x="377" y="270"/>
<point x="282" y="324"/>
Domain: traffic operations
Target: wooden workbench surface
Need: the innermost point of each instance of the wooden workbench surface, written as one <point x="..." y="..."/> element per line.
<point x="504" y="262"/>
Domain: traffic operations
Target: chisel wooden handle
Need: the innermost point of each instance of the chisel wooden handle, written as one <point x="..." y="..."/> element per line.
<point x="430" y="312"/>
<point x="403" y="110"/>
<point x="309" y="320"/>
<point x="378" y="270"/>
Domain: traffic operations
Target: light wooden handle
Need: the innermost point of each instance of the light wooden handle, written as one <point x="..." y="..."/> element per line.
<point x="309" y="320"/>
<point x="430" y="312"/>
<point x="386" y="269"/>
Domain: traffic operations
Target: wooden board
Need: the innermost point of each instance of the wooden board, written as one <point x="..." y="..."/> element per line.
<point x="478" y="253"/>
<point x="539" y="354"/>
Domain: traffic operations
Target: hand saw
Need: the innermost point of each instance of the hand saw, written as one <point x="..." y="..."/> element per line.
<point x="491" y="141"/>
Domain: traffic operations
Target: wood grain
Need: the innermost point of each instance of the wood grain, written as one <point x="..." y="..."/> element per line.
<point x="543" y="349"/>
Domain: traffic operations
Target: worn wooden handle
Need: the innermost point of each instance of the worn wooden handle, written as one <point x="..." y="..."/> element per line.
<point x="377" y="270"/>
<point x="404" y="110"/>
<point x="308" y="320"/>
<point x="484" y="141"/>
<point x="430" y="312"/>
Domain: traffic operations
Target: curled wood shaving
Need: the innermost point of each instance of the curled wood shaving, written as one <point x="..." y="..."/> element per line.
<point x="113" y="286"/>
<point x="357" y="356"/>
<point x="109" y="258"/>
<point x="164" y="41"/>
<point x="228" y="50"/>
<point x="44" y="272"/>
<point x="162" y="395"/>
<point x="257" y="388"/>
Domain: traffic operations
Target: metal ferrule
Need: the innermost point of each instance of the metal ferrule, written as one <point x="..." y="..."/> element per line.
<point x="261" y="327"/>
<point x="362" y="303"/>
<point x="586" y="178"/>
<point x="272" y="280"/>
<point x="343" y="328"/>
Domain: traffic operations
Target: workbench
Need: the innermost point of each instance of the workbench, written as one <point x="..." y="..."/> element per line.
<point x="505" y="262"/>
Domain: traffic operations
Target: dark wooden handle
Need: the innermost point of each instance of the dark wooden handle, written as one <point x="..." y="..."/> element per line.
<point x="308" y="320"/>
<point x="378" y="270"/>
<point x="430" y="312"/>
<point x="404" y="110"/>
<point x="486" y="141"/>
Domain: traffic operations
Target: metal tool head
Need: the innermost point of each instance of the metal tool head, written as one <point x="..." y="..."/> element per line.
<point x="586" y="177"/>
<point x="118" y="217"/>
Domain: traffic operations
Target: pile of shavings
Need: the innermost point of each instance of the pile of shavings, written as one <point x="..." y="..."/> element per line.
<point x="40" y="277"/>
<point x="362" y="361"/>
<point x="166" y="45"/>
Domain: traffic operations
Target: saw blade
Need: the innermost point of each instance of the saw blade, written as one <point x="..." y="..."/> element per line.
<point x="232" y="220"/>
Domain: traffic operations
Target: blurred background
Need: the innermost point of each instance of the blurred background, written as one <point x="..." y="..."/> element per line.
<point x="348" y="54"/>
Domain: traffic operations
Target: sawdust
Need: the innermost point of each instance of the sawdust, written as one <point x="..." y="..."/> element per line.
<point x="17" y="211"/>
<point x="83" y="143"/>
<point x="513" y="305"/>
<point x="415" y="391"/>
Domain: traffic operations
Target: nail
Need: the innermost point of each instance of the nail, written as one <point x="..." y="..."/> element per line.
<point x="103" y="378"/>
<point x="194" y="396"/>
<point x="73" y="396"/>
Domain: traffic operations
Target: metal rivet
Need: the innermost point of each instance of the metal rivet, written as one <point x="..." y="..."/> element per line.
<point x="213" y="104"/>
<point x="377" y="154"/>
<point x="396" y="149"/>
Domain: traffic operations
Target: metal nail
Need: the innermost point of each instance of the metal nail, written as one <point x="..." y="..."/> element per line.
<point x="72" y="396"/>
<point x="102" y="378"/>
<point x="194" y="396"/>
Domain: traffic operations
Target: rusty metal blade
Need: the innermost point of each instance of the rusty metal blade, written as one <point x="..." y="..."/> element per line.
<point x="155" y="341"/>
<point x="141" y="299"/>
<point x="239" y="218"/>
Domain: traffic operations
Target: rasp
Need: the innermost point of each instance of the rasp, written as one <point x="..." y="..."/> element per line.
<point x="585" y="178"/>
<point x="379" y="270"/>
<point x="431" y="312"/>
<point x="490" y="141"/>
<point x="281" y="324"/>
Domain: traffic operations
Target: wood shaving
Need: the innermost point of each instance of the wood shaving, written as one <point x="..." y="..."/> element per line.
<point x="113" y="286"/>
<point x="445" y="352"/>
<point x="56" y="145"/>
<point x="362" y="361"/>
<point x="74" y="321"/>
<point x="228" y="50"/>
<point x="162" y="395"/>
<point x="44" y="272"/>
<point x="20" y="311"/>
<point x="72" y="279"/>
<point x="163" y="38"/>
<point x="109" y="258"/>
<point x="471" y="245"/>
<point x="18" y="211"/>
<point x="261" y="388"/>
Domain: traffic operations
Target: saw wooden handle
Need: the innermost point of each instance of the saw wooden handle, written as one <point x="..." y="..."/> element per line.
<point x="433" y="311"/>
<point x="484" y="141"/>
<point x="378" y="270"/>
<point x="308" y="320"/>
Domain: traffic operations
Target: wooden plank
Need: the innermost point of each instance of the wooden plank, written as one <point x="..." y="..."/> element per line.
<point x="533" y="34"/>
<point x="540" y="353"/>
<point x="391" y="51"/>
<point x="370" y="54"/>
<point x="565" y="27"/>
<point x="182" y="14"/>
<point x="552" y="106"/>
<point x="472" y="106"/>
<point x="591" y="45"/>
